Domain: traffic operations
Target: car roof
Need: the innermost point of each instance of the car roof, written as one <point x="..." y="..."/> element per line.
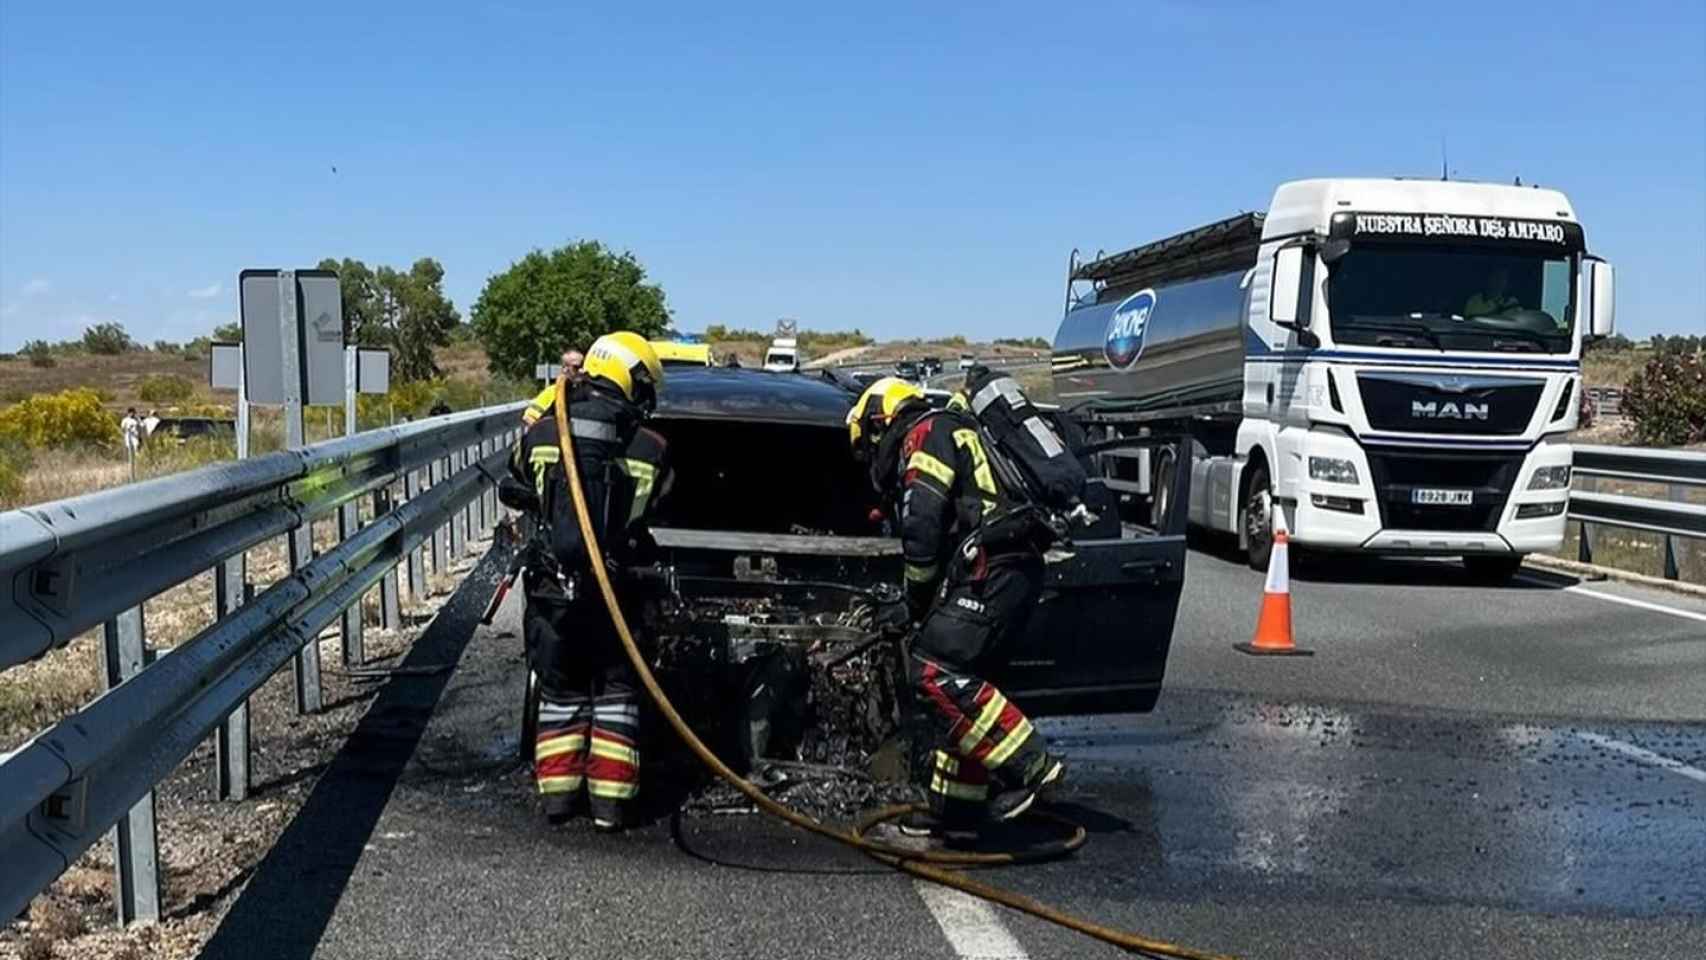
<point x="743" y="393"/>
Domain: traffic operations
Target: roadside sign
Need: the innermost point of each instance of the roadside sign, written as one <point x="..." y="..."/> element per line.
<point x="547" y="371"/>
<point x="310" y="313"/>
<point x="225" y="366"/>
<point x="372" y="370"/>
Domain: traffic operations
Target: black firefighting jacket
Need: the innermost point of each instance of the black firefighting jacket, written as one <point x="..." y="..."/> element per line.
<point x="945" y="488"/>
<point x="624" y="473"/>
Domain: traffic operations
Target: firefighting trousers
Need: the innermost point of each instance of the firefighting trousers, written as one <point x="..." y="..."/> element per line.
<point x="589" y="709"/>
<point x="982" y="739"/>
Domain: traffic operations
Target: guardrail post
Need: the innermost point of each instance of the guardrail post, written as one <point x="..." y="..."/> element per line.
<point x="349" y="524"/>
<point x="417" y="556"/>
<point x="458" y="519"/>
<point x="306" y="666"/>
<point x="485" y="493"/>
<point x="390" y="615"/>
<point x="1674" y="491"/>
<point x="441" y="534"/>
<point x="136" y="840"/>
<point x="231" y="740"/>
<point x="1584" y="544"/>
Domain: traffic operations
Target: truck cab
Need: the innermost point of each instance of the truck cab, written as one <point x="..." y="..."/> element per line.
<point x="1390" y="366"/>
<point x="783" y="356"/>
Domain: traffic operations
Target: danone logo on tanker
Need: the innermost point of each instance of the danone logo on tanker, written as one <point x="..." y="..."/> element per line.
<point x="1124" y="341"/>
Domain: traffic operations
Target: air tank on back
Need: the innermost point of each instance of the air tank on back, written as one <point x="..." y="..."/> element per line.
<point x="1162" y="325"/>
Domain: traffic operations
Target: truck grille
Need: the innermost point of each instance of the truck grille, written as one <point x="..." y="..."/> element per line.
<point x="1396" y="474"/>
<point x="1429" y="403"/>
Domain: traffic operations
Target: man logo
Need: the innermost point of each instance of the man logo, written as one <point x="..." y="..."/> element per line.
<point x="1448" y="410"/>
<point x="1124" y="341"/>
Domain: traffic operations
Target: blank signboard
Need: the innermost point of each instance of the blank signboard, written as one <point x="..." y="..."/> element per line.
<point x="372" y="370"/>
<point x="225" y="365"/>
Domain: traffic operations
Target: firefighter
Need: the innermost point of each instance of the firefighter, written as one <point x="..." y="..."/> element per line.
<point x="587" y="748"/>
<point x="973" y="573"/>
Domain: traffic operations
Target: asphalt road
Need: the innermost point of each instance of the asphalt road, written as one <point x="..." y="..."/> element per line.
<point x="1459" y="771"/>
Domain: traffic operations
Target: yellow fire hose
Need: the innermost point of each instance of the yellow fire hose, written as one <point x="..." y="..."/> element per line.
<point x="929" y="864"/>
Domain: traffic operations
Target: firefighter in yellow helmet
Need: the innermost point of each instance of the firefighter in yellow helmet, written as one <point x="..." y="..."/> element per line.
<point x="972" y="579"/>
<point x="587" y="748"/>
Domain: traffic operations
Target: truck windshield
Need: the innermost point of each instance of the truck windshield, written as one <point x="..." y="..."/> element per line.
<point x="1453" y="298"/>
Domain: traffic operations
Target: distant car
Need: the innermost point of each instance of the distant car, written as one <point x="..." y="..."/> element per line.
<point x="932" y="366"/>
<point x="180" y="429"/>
<point x="967" y="361"/>
<point x="908" y="370"/>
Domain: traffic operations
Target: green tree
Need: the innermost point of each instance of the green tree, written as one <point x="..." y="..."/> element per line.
<point x="228" y="333"/>
<point x="547" y="301"/>
<point x="106" y="338"/>
<point x="404" y="311"/>
<point x="39" y="352"/>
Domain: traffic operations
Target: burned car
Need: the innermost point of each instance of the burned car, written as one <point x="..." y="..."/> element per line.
<point x="774" y="555"/>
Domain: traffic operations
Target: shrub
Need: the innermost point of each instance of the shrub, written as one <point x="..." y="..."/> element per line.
<point x="1666" y="400"/>
<point x="14" y="395"/>
<point x="107" y="339"/>
<point x="165" y="388"/>
<point x="40" y="353"/>
<point x="68" y="418"/>
<point x="160" y="458"/>
<point x="15" y="461"/>
<point x="166" y="346"/>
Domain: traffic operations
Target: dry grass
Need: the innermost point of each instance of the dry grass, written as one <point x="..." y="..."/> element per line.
<point x="1601" y="369"/>
<point x="118" y="376"/>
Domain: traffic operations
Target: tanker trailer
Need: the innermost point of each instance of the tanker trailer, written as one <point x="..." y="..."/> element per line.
<point x="1386" y="366"/>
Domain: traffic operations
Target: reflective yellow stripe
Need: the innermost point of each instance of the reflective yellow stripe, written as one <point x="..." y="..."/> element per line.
<point x="542" y="458"/>
<point x="645" y="477"/>
<point x="968" y="441"/>
<point x="919" y="573"/>
<point x="615" y="751"/>
<point x="985" y="720"/>
<point x="1014" y="740"/>
<point x="559" y="784"/>
<point x="612" y="789"/>
<point x="947" y="762"/>
<point x="958" y="791"/>
<point x="925" y="463"/>
<point x="531" y="416"/>
<point x="559" y="745"/>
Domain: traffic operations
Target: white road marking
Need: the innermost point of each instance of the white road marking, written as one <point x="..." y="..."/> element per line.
<point x="1627" y="601"/>
<point x="1645" y="756"/>
<point x="970" y="924"/>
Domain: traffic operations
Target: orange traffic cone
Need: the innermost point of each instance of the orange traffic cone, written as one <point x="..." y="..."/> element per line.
<point x="1273" y="626"/>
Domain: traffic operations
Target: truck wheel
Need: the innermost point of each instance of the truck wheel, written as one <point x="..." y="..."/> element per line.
<point x="1259" y="518"/>
<point x="1163" y="486"/>
<point x="1496" y="569"/>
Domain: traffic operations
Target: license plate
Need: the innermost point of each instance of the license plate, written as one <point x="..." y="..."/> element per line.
<point x="1446" y="498"/>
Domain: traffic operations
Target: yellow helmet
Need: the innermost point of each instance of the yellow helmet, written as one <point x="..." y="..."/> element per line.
<point x="627" y="361"/>
<point x="876" y="407"/>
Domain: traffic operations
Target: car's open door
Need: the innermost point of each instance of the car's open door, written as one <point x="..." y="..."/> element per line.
<point x="1098" y="640"/>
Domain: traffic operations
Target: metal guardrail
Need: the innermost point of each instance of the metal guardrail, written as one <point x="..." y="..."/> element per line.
<point x="1676" y="469"/>
<point x="1607" y="401"/>
<point x="93" y="560"/>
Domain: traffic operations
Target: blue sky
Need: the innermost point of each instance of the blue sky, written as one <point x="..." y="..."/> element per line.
<point x="908" y="169"/>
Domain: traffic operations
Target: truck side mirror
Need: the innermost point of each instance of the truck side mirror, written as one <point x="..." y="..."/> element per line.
<point x="1602" y="300"/>
<point x="1287" y="284"/>
<point x="1293" y="283"/>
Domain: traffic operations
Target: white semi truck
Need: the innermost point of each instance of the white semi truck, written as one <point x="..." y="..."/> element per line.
<point x="1391" y="365"/>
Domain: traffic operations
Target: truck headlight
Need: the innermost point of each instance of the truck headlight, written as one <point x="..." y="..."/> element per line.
<point x="1550" y="478"/>
<point x="1332" y="470"/>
